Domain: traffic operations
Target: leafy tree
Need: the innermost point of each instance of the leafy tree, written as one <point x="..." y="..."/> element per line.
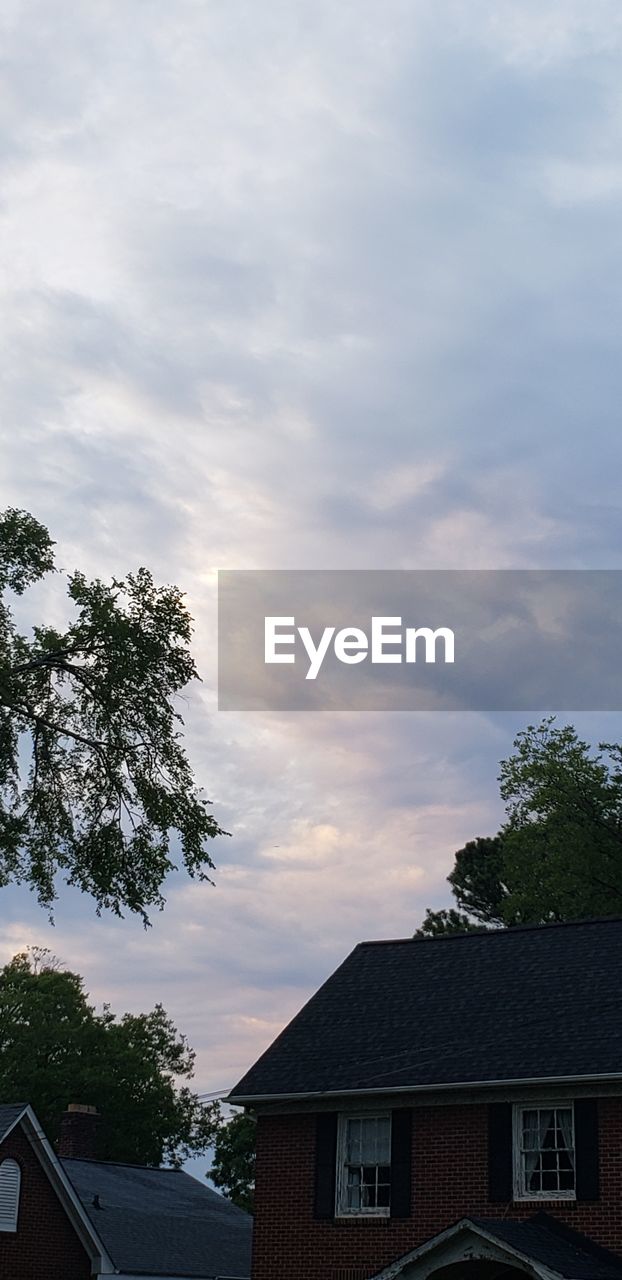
<point x="562" y="842"/>
<point x="55" y="1049"/>
<point x="559" y="854"/>
<point x="94" y="780"/>
<point x="233" y="1169"/>
<point x="437" y="923"/>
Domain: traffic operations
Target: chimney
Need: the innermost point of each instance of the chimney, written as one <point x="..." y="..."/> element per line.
<point x="78" y="1128"/>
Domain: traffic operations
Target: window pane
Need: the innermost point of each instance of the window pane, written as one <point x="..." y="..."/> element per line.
<point x="366" y="1169"/>
<point x="353" y="1142"/>
<point x="547" y="1150"/>
<point x="531" y="1131"/>
<point x="376" y="1140"/>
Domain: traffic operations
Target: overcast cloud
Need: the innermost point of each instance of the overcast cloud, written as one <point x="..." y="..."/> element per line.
<point x="303" y="284"/>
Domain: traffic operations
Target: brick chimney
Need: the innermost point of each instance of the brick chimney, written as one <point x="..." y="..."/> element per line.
<point x="78" y="1129"/>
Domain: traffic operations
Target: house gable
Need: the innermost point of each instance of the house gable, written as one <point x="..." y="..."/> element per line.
<point x="505" y="1050"/>
<point x="46" y="1240"/>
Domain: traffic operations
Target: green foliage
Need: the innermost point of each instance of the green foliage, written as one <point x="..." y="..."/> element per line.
<point x="233" y="1169"/>
<point x="477" y="880"/>
<point x="94" y="780"/>
<point x="563" y="839"/>
<point x="559" y="854"/>
<point x="55" y="1049"/>
<point x="437" y="923"/>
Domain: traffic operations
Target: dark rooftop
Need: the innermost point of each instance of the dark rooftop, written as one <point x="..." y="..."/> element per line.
<point x="563" y="1250"/>
<point x="532" y="1003"/>
<point x="162" y="1221"/>
<point x="541" y="1239"/>
<point x="9" y="1113"/>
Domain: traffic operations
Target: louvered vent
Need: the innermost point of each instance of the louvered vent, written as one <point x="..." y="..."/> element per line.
<point x="10" y="1177"/>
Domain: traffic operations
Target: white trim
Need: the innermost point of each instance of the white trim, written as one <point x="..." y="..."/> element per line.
<point x="250" y="1099"/>
<point x="423" y="1261"/>
<point x="101" y="1262"/>
<point x="520" y="1195"/>
<point x="341" y="1209"/>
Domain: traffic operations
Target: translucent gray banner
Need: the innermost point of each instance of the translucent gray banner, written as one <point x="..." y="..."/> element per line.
<point x="416" y="640"/>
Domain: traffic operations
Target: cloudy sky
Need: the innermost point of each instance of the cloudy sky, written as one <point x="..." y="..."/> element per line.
<point x="307" y="284"/>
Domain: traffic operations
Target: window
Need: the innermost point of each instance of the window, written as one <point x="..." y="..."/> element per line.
<point x="364" y="1165"/>
<point x="544" y="1152"/>
<point x="10" y="1178"/>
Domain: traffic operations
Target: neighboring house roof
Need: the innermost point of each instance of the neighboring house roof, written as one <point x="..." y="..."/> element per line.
<point x="22" y="1115"/>
<point x="162" y="1221"/>
<point x="10" y="1113"/>
<point x="549" y="1250"/>
<point x="533" y="1003"/>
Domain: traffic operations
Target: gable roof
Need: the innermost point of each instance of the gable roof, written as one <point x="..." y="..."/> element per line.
<point x="10" y="1113"/>
<point x="567" y="1252"/>
<point x="13" y="1114"/>
<point x="162" y="1221"/>
<point x="513" y="1005"/>
<point x="551" y="1250"/>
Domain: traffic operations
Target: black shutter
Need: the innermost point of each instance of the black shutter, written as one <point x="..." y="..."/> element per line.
<point x="586" y="1148"/>
<point x="325" y="1164"/>
<point x="500" y="1152"/>
<point x="401" y="1162"/>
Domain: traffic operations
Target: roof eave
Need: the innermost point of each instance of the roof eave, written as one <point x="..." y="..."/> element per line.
<point x="247" y="1100"/>
<point x="466" y="1225"/>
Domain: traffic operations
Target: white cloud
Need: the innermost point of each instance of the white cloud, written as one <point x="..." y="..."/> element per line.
<point x="307" y="285"/>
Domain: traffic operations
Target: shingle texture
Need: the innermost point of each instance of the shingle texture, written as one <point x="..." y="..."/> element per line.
<point x="528" y="1003"/>
<point x="564" y="1251"/>
<point x="9" y="1113"/>
<point x="540" y="1239"/>
<point x="162" y="1222"/>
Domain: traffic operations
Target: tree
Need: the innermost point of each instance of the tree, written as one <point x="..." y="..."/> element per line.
<point x="436" y="924"/>
<point x="562" y="842"/>
<point x="233" y="1169"/>
<point x="94" y="780"/>
<point x="55" y="1049"/>
<point x="559" y="854"/>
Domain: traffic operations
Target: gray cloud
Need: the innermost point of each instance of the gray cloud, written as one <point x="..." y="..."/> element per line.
<point x="307" y="285"/>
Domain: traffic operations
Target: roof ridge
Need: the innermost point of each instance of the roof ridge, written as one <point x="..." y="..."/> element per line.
<point x="120" y="1164"/>
<point x="503" y="930"/>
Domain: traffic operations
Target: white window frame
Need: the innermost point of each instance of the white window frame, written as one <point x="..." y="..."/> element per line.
<point x="520" y="1192"/>
<point x="342" y="1209"/>
<point x="9" y="1216"/>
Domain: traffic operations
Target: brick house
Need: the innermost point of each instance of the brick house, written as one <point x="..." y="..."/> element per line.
<point x="447" y="1108"/>
<point x="67" y="1217"/>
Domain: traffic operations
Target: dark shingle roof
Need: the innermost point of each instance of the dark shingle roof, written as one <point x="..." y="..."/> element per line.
<point x="515" y="1004"/>
<point x="541" y="1239"/>
<point x="565" y="1251"/>
<point x="162" y="1221"/>
<point x="9" y="1113"/>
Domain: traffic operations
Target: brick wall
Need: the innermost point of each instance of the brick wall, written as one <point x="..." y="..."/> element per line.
<point x="450" y="1181"/>
<point x="45" y="1243"/>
